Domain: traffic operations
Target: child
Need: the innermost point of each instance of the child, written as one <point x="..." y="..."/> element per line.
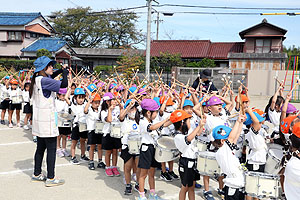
<point x="184" y="143"/>
<point x="92" y="111"/>
<point x="77" y="108"/>
<point x="256" y="160"/>
<point x="273" y="113"/>
<point x="62" y="107"/>
<point x="109" y="114"/>
<point x="292" y="172"/>
<point x="147" y="163"/>
<point x="130" y="118"/>
<point x="4" y="87"/>
<point x="27" y="107"/>
<point x="165" y="112"/>
<point x="225" y="139"/>
<point x="14" y="92"/>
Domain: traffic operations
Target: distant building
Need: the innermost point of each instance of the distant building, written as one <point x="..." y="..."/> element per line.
<point x="263" y="48"/>
<point x="18" y="30"/>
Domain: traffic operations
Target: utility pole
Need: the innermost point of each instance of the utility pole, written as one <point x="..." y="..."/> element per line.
<point x="148" y="39"/>
<point x="157" y="25"/>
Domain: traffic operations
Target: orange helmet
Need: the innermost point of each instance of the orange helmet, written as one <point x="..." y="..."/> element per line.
<point x="97" y="97"/>
<point x="14" y="82"/>
<point x="286" y="123"/>
<point x="169" y="101"/>
<point x="179" y="115"/>
<point x="296" y="129"/>
<point x="244" y="98"/>
<point x="260" y="112"/>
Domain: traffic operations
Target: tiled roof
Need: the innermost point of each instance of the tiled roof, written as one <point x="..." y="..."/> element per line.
<point x="37" y="28"/>
<point x="220" y="50"/>
<point x="196" y="48"/>
<point x="17" y="19"/>
<point x="51" y="44"/>
<point x="187" y="48"/>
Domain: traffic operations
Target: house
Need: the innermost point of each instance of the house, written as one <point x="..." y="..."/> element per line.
<point x="18" y="30"/>
<point x="263" y="48"/>
<point x="92" y="57"/>
<point x="58" y="47"/>
<point x="196" y="50"/>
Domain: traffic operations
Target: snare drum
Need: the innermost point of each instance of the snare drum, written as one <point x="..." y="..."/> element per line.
<point x="64" y="123"/>
<point x="201" y="145"/>
<point x="262" y="185"/>
<point x="99" y="127"/>
<point x="134" y="144"/>
<point x="5" y="95"/>
<point x="116" y="130"/>
<point x="207" y="163"/>
<point x="165" y="149"/>
<point x="273" y="160"/>
<point x="16" y="99"/>
<point x="82" y="127"/>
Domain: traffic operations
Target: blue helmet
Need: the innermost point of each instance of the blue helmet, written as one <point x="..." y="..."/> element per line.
<point x="92" y="87"/>
<point x="79" y="91"/>
<point x="221" y="132"/>
<point x="188" y="103"/>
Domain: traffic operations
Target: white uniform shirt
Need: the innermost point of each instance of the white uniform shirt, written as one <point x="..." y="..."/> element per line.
<point x="275" y="119"/>
<point x="230" y="166"/>
<point x="214" y="121"/>
<point x="146" y="134"/>
<point x="292" y="179"/>
<point x="194" y="121"/>
<point x="187" y="150"/>
<point x="78" y="112"/>
<point x="61" y="106"/>
<point x="3" y="90"/>
<point x="26" y="97"/>
<point x="257" y="144"/>
<point x="115" y="118"/>
<point x="129" y="127"/>
<point x="91" y="118"/>
<point x="14" y="93"/>
<point x="166" y="130"/>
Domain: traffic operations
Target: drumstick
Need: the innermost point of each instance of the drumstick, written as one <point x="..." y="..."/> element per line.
<point x="241" y="83"/>
<point x="296" y="84"/>
<point x="240" y="101"/>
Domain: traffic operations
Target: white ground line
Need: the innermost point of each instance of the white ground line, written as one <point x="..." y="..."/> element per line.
<point x="29" y="169"/>
<point x="15" y="143"/>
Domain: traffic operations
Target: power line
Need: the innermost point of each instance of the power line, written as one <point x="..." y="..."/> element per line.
<point x="224" y="7"/>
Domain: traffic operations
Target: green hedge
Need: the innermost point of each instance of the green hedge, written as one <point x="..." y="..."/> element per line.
<point x="105" y="68"/>
<point x="17" y="64"/>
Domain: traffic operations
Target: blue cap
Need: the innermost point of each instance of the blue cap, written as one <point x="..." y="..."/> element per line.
<point x="224" y="104"/>
<point x="249" y="120"/>
<point x="6" y="77"/>
<point x="157" y="100"/>
<point x="221" y="132"/>
<point x="188" y="103"/>
<point x="204" y="103"/>
<point x="127" y="103"/>
<point x="79" y="91"/>
<point x="42" y="62"/>
<point x="189" y="94"/>
<point x="92" y="87"/>
<point x="132" y="89"/>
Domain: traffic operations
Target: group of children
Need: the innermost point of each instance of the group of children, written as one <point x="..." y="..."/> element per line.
<point x="150" y="110"/>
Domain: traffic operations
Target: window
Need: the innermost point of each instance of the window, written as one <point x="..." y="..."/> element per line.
<point x="33" y="35"/>
<point x="15" y="36"/>
<point x="263" y="46"/>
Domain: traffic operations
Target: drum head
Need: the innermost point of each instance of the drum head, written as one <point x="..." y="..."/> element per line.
<point x="275" y="146"/>
<point x="166" y="142"/>
<point x="207" y="154"/>
<point x="276" y="153"/>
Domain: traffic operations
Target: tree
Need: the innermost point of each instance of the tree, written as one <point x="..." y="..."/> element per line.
<point x="43" y="52"/>
<point x="291" y="51"/>
<point x="79" y="28"/>
<point x="204" y="63"/>
<point x="122" y="30"/>
<point x="166" y="61"/>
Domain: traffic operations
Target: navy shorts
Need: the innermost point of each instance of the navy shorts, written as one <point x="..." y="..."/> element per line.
<point x="110" y="143"/>
<point x="76" y="135"/>
<point x="187" y="174"/>
<point x="94" y="138"/>
<point x="147" y="160"/>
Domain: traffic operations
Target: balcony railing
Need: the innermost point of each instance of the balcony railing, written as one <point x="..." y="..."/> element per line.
<point x="263" y="49"/>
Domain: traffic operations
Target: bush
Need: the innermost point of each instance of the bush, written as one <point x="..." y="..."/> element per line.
<point x="43" y="52"/>
<point x="204" y="63"/>
<point x="105" y="68"/>
<point x="17" y="64"/>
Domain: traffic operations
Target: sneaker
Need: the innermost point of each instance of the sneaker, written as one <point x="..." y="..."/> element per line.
<point x="101" y="165"/>
<point x="109" y="172"/>
<point x="133" y="177"/>
<point x="84" y="158"/>
<point x="59" y="153"/>
<point x="38" y="178"/>
<point x="221" y="193"/>
<point x="154" y="197"/>
<point x="10" y="126"/>
<point x="173" y="175"/>
<point x="165" y="176"/>
<point x="208" y="195"/>
<point x="197" y="185"/>
<point x="19" y="125"/>
<point x="124" y="181"/>
<point x="2" y="122"/>
<point x="91" y="166"/>
<point x="54" y="182"/>
<point x="26" y="127"/>
<point x="116" y="171"/>
<point x="66" y="154"/>
<point x="137" y="187"/>
<point x="142" y="198"/>
<point x="128" y="190"/>
<point x="74" y="161"/>
<point x="34" y="139"/>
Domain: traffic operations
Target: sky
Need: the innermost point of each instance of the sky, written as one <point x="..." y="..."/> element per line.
<point x="217" y="28"/>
